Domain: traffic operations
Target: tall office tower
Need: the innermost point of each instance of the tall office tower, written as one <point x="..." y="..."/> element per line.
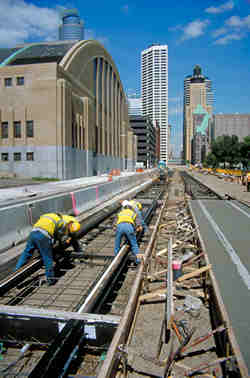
<point x="197" y="91"/>
<point x="72" y="26"/>
<point x="154" y="91"/>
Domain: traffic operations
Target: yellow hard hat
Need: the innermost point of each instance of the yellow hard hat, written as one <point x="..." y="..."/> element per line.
<point x="139" y="205"/>
<point x="74" y="227"/>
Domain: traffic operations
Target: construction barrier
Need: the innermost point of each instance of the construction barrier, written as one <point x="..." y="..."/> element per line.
<point x="18" y="219"/>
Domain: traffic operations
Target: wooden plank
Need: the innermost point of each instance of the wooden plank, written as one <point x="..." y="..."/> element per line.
<point x="170" y="299"/>
<point x="158" y="293"/>
<point x="162" y="252"/>
<point x="194" y="274"/>
<point x="154" y="275"/>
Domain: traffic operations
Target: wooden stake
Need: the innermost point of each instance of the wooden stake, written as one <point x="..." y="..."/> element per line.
<point x="158" y="293"/>
<point x="194" y="274"/>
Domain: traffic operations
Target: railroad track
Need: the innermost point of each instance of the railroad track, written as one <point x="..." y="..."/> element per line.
<point x="197" y="190"/>
<point x="67" y="328"/>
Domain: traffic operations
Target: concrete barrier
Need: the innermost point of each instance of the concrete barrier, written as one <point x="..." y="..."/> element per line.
<point x="17" y="220"/>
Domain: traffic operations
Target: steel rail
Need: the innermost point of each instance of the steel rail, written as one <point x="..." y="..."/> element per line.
<point x="242" y="202"/>
<point x="85" y="215"/>
<point x="186" y="175"/>
<point x="215" y="292"/>
<point x="36" y="263"/>
<point x="220" y="307"/>
<point x="96" y="218"/>
<point x="121" y="335"/>
<point x="56" y="361"/>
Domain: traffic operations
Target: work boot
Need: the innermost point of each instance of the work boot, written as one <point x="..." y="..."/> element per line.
<point x="134" y="262"/>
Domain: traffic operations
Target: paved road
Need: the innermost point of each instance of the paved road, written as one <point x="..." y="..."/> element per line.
<point x="225" y="229"/>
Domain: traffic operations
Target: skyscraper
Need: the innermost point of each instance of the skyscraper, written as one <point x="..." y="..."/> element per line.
<point x="72" y="26"/>
<point x="154" y="91"/>
<point x="197" y="91"/>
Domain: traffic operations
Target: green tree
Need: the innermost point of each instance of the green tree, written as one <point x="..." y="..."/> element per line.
<point x="211" y="160"/>
<point x="245" y="152"/>
<point x="234" y="152"/>
<point x="226" y="149"/>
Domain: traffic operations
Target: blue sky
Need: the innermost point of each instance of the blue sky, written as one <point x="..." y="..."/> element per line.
<point x="212" y="33"/>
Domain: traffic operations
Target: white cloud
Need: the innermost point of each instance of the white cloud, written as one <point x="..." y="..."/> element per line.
<point x="228" y="38"/>
<point x="21" y="21"/>
<point x="236" y="29"/>
<point x="236" y="21"/>
<point x="194" y="29"/>
<point x="222" y="8"/>
<point x="216" y="33"/>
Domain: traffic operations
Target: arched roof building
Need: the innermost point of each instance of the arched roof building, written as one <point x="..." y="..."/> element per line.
<point x="63" y="111"/>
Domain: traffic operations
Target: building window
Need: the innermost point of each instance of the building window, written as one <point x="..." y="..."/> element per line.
<point x="17" y="156"/>
<point x="4" y="130"/>
<point x="5" y="156"/>
<point x="29" y="156"/>
<point x="20" y="80"/>
<point x="29" y="129"/>
<point x="17" y="129"/>
<point x="8" y="82"/>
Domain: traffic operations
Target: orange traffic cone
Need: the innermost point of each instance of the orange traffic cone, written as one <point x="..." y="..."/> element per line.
<point x="110" y="176"/>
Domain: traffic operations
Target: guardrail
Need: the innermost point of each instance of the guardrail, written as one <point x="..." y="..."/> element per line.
<point x="19" y="218"/>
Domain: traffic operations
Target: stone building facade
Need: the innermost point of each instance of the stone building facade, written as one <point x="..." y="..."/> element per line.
<point x="230" y="124"/>
<point x="63" y="111"/>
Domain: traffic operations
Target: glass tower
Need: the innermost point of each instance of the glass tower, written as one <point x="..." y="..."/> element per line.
<point x="71" y="27"/>
<point x="197" y="91"/>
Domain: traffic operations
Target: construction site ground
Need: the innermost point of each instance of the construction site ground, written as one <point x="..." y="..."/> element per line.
<point x="147" y="339"/>
<point x="147" y="350"/>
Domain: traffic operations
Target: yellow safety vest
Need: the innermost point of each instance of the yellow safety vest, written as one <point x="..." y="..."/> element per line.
<point x="68" y="218"/>
<point x="133" y="203"/>
<point x="126" y="216"/>
<point x="51" y="223"/>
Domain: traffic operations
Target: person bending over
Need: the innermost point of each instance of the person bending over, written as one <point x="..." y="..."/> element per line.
<point x="48" y="229"/>
<point x="127" y="223"/>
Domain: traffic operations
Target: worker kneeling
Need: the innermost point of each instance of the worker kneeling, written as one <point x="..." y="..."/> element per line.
<point x="46" y="231"/>
<point x="127" y="224"/>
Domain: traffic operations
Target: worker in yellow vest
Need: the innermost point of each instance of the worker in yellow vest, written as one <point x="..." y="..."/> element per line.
<point x="70" y="237"/>
<point x="127" y="224"/>
<point x="137" y="206"/>
<point x="248" y="182"/>
<point x="49" y="228"/>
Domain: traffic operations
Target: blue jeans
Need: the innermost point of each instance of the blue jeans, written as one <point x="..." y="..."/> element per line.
<point x="41" y="242"/>
<point x="127" y="230"/>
